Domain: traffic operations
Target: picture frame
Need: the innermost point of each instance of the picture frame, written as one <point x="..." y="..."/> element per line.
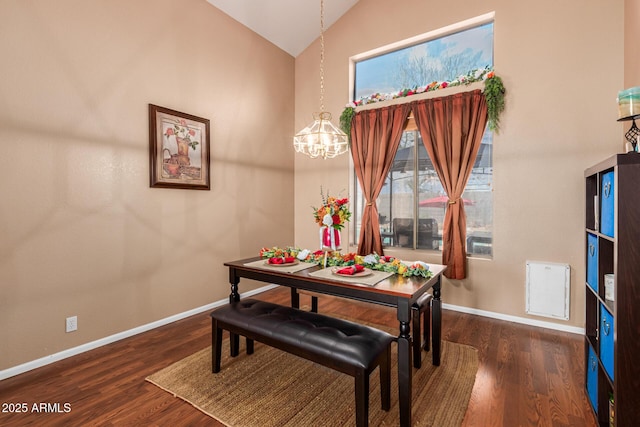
<point x="179" y="150"/>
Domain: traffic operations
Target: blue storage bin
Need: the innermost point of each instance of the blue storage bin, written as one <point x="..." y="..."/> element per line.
<point x="607" y="204"/>
<point x="592" y="261"/>
<point x="592" y="379"/>
<point x="606" y="340"/>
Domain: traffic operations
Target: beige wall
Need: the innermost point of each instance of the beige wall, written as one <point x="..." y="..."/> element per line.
<point x="81" y="232"/>
<point x="631" y="37"/>
<point x="562" y="65"/>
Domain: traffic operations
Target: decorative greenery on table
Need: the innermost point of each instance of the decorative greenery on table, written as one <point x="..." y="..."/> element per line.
<point x="493" y="91"/>
<point x="336" y="259"/>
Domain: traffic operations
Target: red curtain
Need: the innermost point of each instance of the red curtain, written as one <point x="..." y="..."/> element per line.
<point x="452" y="129"/>
<point x="375" y="136"/>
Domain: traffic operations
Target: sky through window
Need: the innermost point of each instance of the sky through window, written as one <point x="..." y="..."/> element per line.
<point x="438" y="59"/>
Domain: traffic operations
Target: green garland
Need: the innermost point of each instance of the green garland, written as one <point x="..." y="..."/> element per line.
<point x="336" y="259"/>
<point x="493" y="92"/>
<point x="494" y="95"/>
<point x="345" y="120"/>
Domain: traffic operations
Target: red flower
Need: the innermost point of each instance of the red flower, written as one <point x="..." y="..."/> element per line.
<point x="444" y="84"/>
<point x="336" y="219"/>
<point x="192" y="132"/>
<point x="169" y="132"/>
<point x="349" y="257"/>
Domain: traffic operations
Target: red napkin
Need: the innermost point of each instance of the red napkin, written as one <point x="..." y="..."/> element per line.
<point x="351" y="270"/>
<point x="282" y="260"/>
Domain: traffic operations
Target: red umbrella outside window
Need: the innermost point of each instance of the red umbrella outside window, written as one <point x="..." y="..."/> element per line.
<point x="441" y="202"/>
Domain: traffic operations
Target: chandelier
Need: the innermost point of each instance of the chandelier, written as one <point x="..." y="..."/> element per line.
<point x="321" y="138"/>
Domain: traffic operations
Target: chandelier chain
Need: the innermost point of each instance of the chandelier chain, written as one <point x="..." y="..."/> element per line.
<point x="321" y="55"/>
<point x="321" y="138"/>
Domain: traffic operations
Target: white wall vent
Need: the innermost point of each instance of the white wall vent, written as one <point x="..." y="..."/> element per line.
<point x="548" y="289"/>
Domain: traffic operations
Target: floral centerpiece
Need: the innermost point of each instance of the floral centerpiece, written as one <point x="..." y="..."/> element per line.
<point x="331" y="217"/>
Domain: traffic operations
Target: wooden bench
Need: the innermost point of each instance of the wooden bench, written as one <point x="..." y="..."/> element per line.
<point x="342" y="345"/>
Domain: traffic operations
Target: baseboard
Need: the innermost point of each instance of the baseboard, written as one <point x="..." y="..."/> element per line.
<point x="516" y="319"/>
<point x="43" y="361"/>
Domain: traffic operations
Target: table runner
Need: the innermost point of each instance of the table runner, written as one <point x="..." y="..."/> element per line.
<point x="370" y="280"/>
<point x="284" y="268"/>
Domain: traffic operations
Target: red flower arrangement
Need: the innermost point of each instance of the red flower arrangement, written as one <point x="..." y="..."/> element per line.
<point x="337" y="208"/>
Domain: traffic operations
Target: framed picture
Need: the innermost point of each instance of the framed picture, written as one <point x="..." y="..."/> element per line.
<point x="178" y="149"/>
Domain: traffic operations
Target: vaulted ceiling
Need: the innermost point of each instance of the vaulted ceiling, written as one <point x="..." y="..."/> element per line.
<point x="289" y="24"/>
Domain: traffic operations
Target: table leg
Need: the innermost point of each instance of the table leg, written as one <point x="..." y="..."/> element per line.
<point x="436" y="326"/>
<point x="234" y="280"/>
<point x="405" y="366"/>
<point x="234" y="340"/>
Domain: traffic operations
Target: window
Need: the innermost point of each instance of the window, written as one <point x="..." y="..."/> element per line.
<point x="437" y="59"/>
<point x="412" y="202"/>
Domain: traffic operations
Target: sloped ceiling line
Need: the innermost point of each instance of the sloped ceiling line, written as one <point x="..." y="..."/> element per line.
<point x="292" y="25"/>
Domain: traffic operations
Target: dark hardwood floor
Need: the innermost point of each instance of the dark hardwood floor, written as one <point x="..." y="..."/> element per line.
<point x="527" y="377"/>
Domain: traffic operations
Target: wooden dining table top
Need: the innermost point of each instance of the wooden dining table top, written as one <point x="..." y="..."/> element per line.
<point x="395" y="285"/>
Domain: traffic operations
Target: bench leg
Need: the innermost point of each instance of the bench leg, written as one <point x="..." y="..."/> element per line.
<point x="417" y="346"/>
<point x="216" y="346"/>
<point x="362" y="399"/>
<point x="295" y="298"/>
<point x="385" y="380"/>
<point x="426" y="328"/>
<point x="249" y="346"/>
<point x="234" y="342"/>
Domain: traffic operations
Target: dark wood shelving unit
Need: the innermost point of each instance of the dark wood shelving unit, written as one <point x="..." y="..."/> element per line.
<point x="612" y="328"/>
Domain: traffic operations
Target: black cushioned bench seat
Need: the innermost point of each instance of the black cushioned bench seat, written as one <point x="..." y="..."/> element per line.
<point x="342" y="345"/>
<point x="422" y="305"/>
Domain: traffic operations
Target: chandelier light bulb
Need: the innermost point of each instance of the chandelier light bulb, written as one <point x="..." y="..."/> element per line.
<point x="321" y="138"/>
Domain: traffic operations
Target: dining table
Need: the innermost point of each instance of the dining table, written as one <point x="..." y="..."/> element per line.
<point x="391" y="289"/>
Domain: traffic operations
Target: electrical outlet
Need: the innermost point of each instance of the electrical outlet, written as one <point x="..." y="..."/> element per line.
<point x="72" y="323"/>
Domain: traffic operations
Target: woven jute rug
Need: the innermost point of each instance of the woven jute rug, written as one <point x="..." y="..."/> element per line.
<point x="274" y="388"/>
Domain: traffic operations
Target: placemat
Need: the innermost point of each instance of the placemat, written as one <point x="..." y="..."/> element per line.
<point x="371" y="280"/>
<point x="285" y="268"/>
